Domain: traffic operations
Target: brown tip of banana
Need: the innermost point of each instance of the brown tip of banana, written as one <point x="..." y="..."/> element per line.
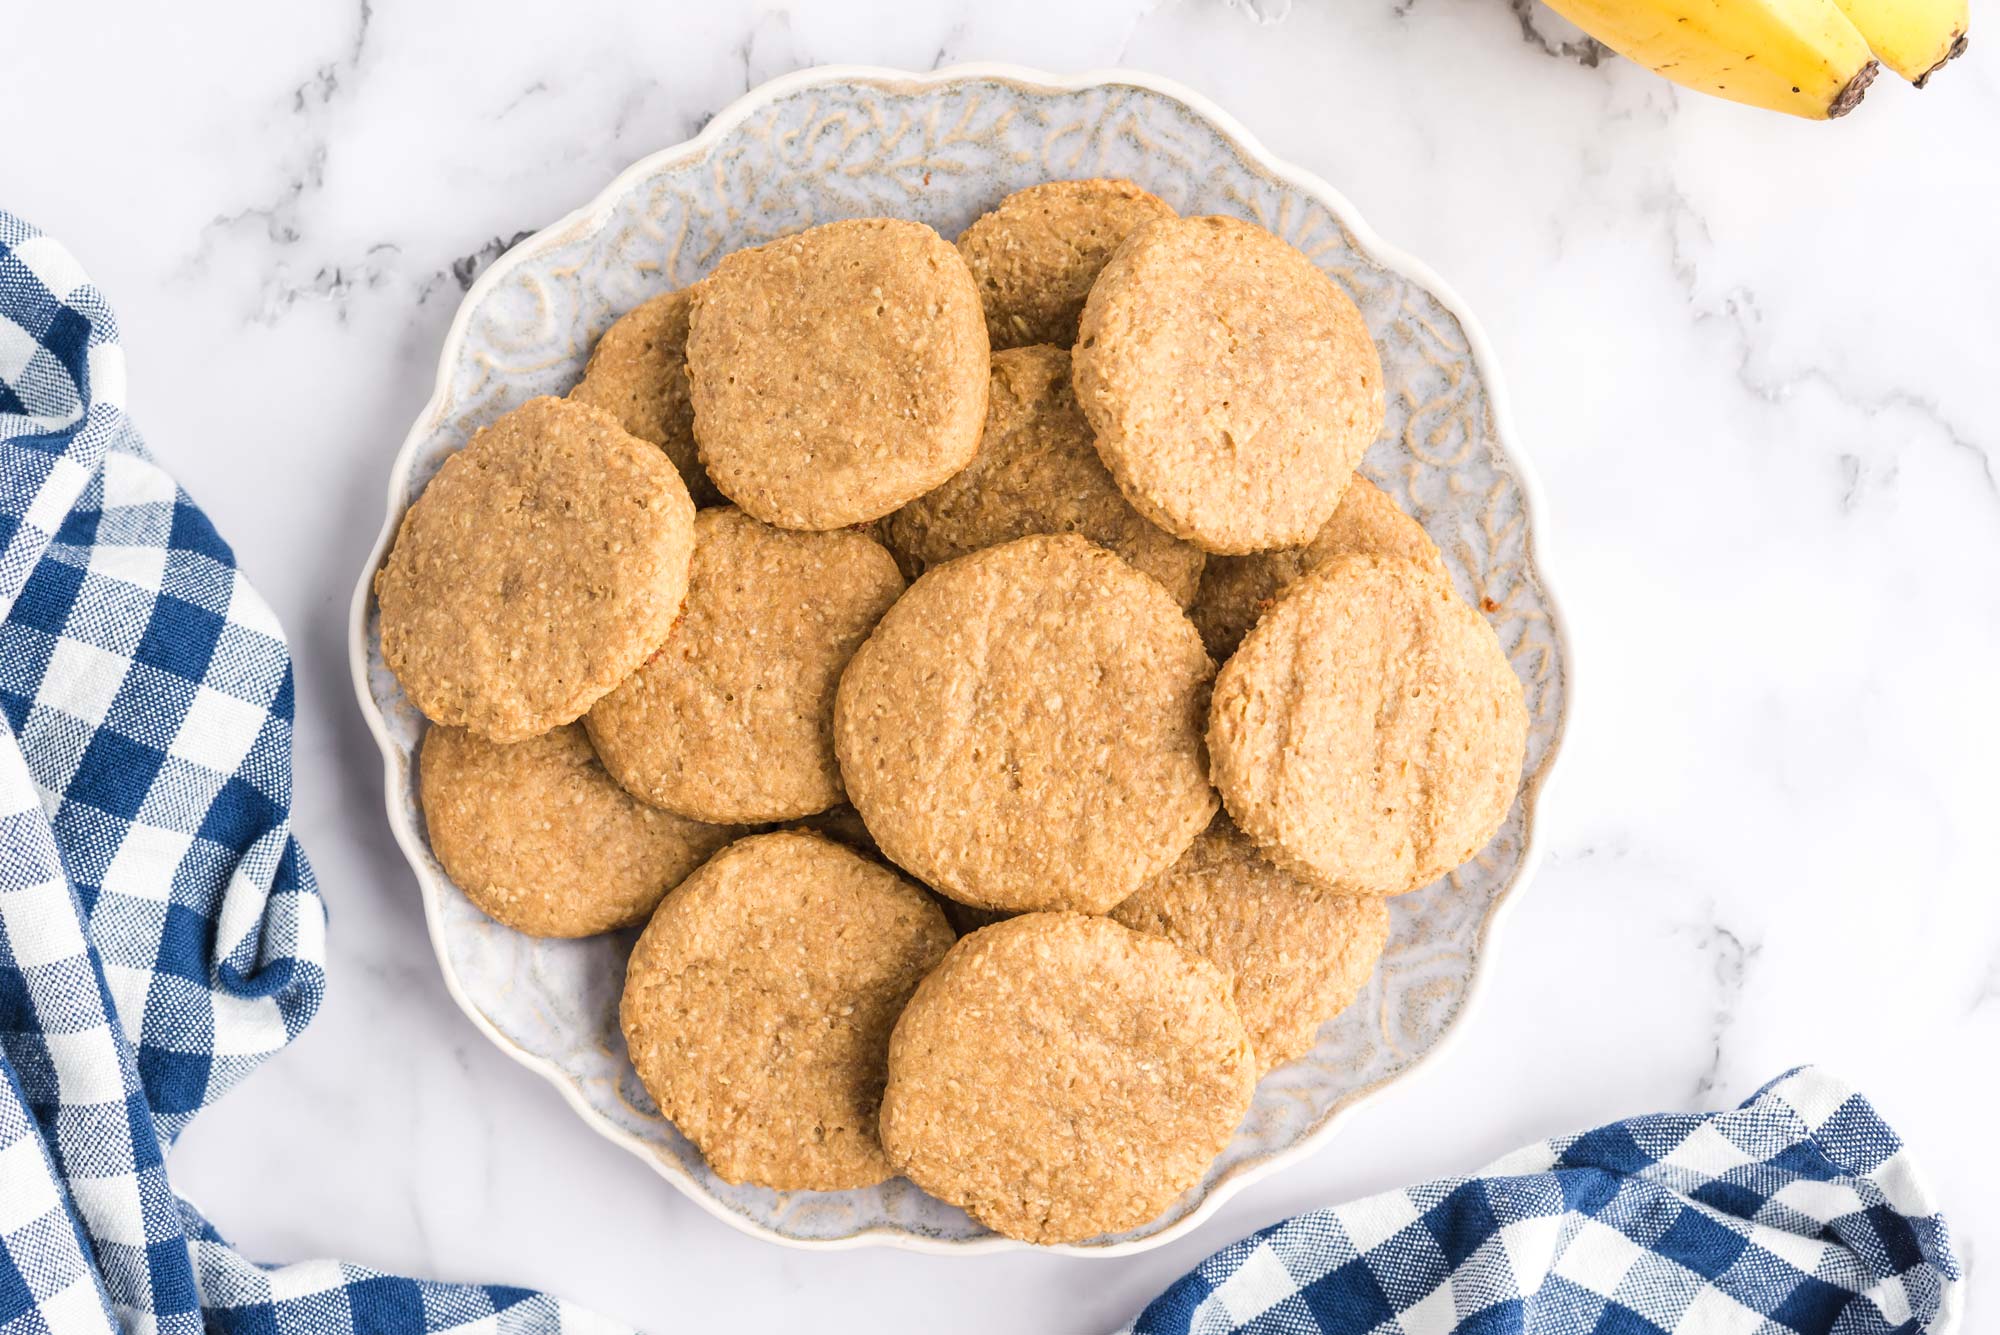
<point x="1957" y="49"/>
<point x="1857" y="88"/>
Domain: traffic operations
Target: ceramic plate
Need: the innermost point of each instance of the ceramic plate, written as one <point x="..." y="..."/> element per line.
<point x="943" y="148"/>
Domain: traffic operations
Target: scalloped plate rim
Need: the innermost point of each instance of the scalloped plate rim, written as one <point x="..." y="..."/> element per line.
<point x="1534" y="794"/>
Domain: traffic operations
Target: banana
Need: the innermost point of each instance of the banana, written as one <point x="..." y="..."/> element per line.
<point x="1913" y="37"/>
<point x="1797" y="56"/>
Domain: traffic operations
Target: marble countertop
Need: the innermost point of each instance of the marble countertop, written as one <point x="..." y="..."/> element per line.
<point x="1756" y="361"/>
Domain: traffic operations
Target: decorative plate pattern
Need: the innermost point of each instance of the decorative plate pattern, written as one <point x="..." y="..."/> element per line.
<point x="944" y="147"/>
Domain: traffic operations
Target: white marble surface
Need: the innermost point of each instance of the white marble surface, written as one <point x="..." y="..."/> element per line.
<point x="1754" y="359"/>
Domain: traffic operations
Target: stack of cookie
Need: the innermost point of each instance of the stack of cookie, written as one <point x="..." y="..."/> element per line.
<point x="958" y="856"/>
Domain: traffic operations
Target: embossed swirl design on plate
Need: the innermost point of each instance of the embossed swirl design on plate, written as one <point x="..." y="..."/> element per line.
<point x="943" y="149"/>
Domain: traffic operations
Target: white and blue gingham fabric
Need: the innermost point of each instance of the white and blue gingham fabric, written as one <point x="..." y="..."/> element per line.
<point x="1795" y="1214"/>
<point x="160" y="930"/>
<point x="161" y="934"/>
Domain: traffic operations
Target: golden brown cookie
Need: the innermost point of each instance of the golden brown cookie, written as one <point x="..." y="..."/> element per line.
<point x="1036" y="472"/>
<point x="732" y="719"/>
<point x="1023" y="729"/>
<point x="1235" y="590"/>
<point x="1369" y="732"/>
<point x="539" y="837"/>
<point x="1059" y="1076"/>
<point x="638" y="374"/>
<point x="1036" y="254"/>
<point x="1232" y="385"/>
<point x="539" y="568"/>
<point x="1295" y="953"/>
<point x="759" y="1001"/>
<point x="838" y="373"/>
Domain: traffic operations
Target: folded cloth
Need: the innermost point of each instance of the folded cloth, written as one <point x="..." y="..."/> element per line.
<point x="160" y="930"/>
<point x="1797" y="1212"/>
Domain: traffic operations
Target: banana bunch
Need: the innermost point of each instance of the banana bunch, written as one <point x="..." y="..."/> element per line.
<point x="1812" y="58"/>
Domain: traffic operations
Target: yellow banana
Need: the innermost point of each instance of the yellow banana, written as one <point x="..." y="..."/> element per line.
<point x="1913" y="37"/>
<point x="1798" y="56"/>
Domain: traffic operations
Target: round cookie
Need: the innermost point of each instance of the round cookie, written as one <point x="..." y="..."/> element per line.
<point x="541" y="840"/>
<point x="1035" y="256"/>
<point x="638" y="374"/>
<point x="1295" y="954"/>
<point x="1235" y="590"/>
<point x="1369" y="733"/>
<point x="1036" y="472"/>
<point x="732" y="719"/>
<point x="1232" y="385"/>
<point x="838" y="373"/>
<point x="539" y="568"/>
<point x="1059" y="1076"/>
<point x="759" y="1001"/>
<point x="1023" y="729"/>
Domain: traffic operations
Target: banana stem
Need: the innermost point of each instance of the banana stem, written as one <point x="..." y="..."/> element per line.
<point x="1957" y="50"/>
<point x="1856" y="89"/>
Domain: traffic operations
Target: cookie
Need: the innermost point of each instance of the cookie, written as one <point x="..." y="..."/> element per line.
<point x="541" y="840"/>
<point x="1059" y="1076"/>
<point x="638" y="374"/>
<point x="1035" y="256"/>
<point x="1036" y="472"/>
<point x="1295" y="954"/>
<point x="732" y="719"/>
<point x="759" y="1001"/>
<point x="1235" y="590"/>
<point x="1232" y="385"/>
<point x="838" y="373"/>
<point x="1023" y="729"/>
<point x="1369" y="733"/>
<point x="541" y="565"/>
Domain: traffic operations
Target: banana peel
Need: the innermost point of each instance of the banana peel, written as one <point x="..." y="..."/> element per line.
<point x="1915" y="38"/>
<point x="1810" y="58"/>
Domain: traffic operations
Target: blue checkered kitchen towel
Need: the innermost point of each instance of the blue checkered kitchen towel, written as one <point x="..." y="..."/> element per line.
<point x="160" y="930"/>
<point x="160" y="934"/>
<point x="1797" y="1212"/>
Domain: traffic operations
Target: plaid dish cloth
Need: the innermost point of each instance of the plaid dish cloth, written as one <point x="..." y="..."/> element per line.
<point x="161" y="934"/>
<point x="1795" y="1214"/>
<point x="160" y="930"/>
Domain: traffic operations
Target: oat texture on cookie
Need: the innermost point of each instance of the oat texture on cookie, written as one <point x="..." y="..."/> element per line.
<point x="638" y="374"/>
<point x="1060" y="1076"/>
<point x="1233" y="387"/>
<point x="1369" y="733"/>
<point x="759" y="1001"/>
<point x="731" y="720"/>
<point x="1037" y="253"/>
<point x="1296" y="953"/>
<point x="542" y="840"/>
<point x="1023" y="728"/>
<point x="1036" y="472"/>
<point x="837" y="373"/>
<point x="1235" y="590"/>
<point x="541" y="565"/>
